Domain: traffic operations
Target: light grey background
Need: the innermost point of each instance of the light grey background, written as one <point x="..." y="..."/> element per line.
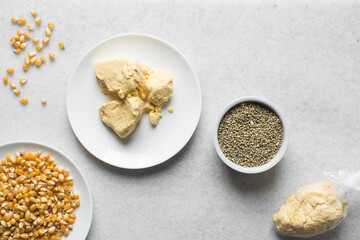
<point x="302" y="55"/>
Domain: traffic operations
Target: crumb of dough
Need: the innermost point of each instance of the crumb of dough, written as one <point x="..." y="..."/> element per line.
<point x="170" y="110"/>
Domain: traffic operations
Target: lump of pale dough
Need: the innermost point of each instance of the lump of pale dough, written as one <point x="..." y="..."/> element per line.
<point x="154" y="113"/>
<point x="311" y="210"/>
<point x="122" y="115"/>
<point x="159" y="87"/>
<point x="118" y="76"/>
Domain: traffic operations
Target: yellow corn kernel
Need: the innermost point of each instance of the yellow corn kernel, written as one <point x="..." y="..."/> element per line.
<point x="20" y="32"/>
<point x="23" y="45"/>
<point x="22" y="21"/>
<point x="43" y="101"/>
<point x="51" y="56"/>
<point x="35" y="40"/>
<point x="26" y="60"/>
<point x="43" y="59"/>
<point x="17" y="51"/>
<point x="6" y="79"/>
<point x="12" y="85"/>
<point x="17" y="44"/>
<point x="33" y="12"/>
<point x="22" y="39"/>
<point x="32" y="60"/>
<point x="31" y="54"/>
<point x="61" y="45"/>
<point x="27" y="35"/>
<point x="47" y="32"/>
<point x="51" y="25"/>
<point x="30" y="27"/>
<point x="39" y="47"/>
<point x="12" y="41"/>
<point x="16" y="37"/>
<point x="38" y="62"/>
<point x="25" y="67"/>
<point x="16" y="91"/>
<point x="45" y="40"/>
<point x="38" y="20"/>
<point x="22" y="81"/>
<point x="24" y="100"/>
<point x="10" y="70"/>
<point x="14" y="19"/>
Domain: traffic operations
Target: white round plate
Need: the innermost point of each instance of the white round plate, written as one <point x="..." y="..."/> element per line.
<point x="146" y="146"/>
<point x="84" y="212"/>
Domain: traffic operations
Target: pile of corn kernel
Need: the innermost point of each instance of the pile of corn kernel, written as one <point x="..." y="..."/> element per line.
<point x="18" y="41"/>
<point x="37" y="198"/>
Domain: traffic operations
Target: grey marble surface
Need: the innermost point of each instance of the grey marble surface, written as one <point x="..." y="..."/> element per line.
<point x="302" y="55"/>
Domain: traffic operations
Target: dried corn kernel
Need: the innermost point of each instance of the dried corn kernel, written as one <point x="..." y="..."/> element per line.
<point x="51" y="25"/>
<point x="43" y="59"/>
<point x="38" y="20"/>
<point x="23" y="45"/>
<point x="25" y="67"/>
<point x="61" y="45"/>
<point x="47" y="32"/>
<point x="31" y="54"/>
<point x="20" y="32"/>
<point x="12" y="41"/>
<point x="17" y="44"/>
<point x="16" y="91"/>
<point x="10" y="70"/>
<point x="52" y="56"/>
<point x="14" y="19"/>
<point x="33" y="12"/>
<point x="38" y="62"/>
<point x="27" y="35"/>
<point x="17" y="51"/>
<point x="22" y="21"/>
<point x="22" y="81"/>
<point x="30" y="27"/>
<point x="24" y="101"/>
<point x="12" y="85"/>
<point x="45" y="40"/>
<point x="43" y="101"/>
<point x="39" y="47"/>
<point x="27" y="60"/>
<point x="22" y="39"/>
<point x="32" y="60"/>
<point x="35" y="40"/>
<point x="6" y="79"/>
<point x="16" y="37"/>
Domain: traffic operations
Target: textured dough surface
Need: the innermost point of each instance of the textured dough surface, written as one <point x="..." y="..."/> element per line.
<point x="122" y="115"/>
<point x="118" y="76"/>
<point x="159" y="87"/>
<point x="311" y="210"/>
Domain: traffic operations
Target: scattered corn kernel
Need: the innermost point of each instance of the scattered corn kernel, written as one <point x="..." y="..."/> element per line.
<point x="52" y="56"/>
<point x="51" y="25"/>
<point x="31" y="54"/>
<point x="14" y="19"/>
<point x="17" y="44"/>
<point x="6" y="79"/>
<point x="30" y="27"/>
<point x="61" y="45"/>
<point x="45" y="40"/>
<point x="24" y="100"/>
<point x="47" y="32"/>
<point x="22" y="39"/>
<point x="27" y="60"/>
<point x="17" y="51"/>
<point x="32" y="60"/>
<point x="25" y="67"/>
<point x="35" y="40"/>
<point x="43" y="101"/>
<point x="12" y="85"/>
<point x="16" y="37"/>
<point x="38" y="20"/>
<point x="22" y="81"/>
<point x="39" y="47"/>
<point x="23" y="45"/>
<point x="33" y="12"/>
<point x="16" y="91"/>
<point x="22" y="21"/>
<point x="38" y="62"/>
<point x="10" y="70"/>
<point x="27" y="35"/>
<point x="20" y="32"/>
<point x="43" y="59"/>
<point x="12" y="41"/>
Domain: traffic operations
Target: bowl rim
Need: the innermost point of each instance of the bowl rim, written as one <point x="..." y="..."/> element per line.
<point x="279" y="155"/>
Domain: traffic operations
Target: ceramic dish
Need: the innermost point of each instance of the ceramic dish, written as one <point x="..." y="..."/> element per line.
<point x="147" y="146"/>
<point x="84" y="212"/>
<point x="279" y="154"/>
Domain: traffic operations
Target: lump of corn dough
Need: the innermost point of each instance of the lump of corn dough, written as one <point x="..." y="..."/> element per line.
<point x="122" y="115"/>
<point x="142" y="85"/>
<point x="159" y="87"/>
<point x="154" y="113"/>
<point x="311" y="210"/>
<point x="118" y="76"/>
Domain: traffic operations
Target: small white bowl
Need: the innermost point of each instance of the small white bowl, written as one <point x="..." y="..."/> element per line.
<point x="279" y="154"/>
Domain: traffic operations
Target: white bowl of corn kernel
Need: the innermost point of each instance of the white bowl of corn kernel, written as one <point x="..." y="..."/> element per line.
<point x="251" y="135"/>
<point x="44" y="195"/>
